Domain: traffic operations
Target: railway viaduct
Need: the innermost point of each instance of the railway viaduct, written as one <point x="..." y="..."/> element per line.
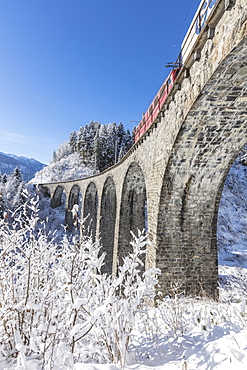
<point x="170" y="182"/>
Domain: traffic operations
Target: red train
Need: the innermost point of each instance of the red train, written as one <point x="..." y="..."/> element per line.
<point x="203" y="12"/>
<point x="153" y="111"/>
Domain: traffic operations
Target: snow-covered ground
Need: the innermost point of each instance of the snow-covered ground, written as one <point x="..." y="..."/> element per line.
<point x="182" y="335"/>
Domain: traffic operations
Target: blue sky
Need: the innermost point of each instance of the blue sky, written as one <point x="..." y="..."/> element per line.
<point x="66" y="62"/>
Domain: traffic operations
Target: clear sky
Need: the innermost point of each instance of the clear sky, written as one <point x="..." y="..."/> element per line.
<point x="66" y="62"/>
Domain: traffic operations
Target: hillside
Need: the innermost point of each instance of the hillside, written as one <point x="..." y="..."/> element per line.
<point x="28" y="166"/>
<point x="90" y="150"/>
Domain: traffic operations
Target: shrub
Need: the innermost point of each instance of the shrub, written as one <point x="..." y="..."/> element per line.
<point x="55" y="303"/>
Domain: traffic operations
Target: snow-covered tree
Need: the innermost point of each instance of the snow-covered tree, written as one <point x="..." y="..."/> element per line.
<point x="2" y="208"/>
<point x="73" y="141"/>
<point x="63" y="151"/>
<point x="11" y="190"/>
<point x="16" y="178"/>
<point x="101" y="145"/>
<point x="4" y="178"/>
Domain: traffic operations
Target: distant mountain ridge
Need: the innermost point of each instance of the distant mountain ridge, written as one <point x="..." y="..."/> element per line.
<point x="28" y="166"/>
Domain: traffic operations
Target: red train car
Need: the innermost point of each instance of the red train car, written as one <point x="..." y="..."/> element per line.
<point x="204" y="11"/>
<point x="153" y="110"/>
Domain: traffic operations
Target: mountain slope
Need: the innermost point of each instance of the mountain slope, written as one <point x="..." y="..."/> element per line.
<point x="28" y="167"/>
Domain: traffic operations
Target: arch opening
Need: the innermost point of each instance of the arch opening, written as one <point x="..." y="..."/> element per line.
<point x="188" y="210"/>
<point x="107" y="223"/>
<point x="232" y="224"/>
<point x="44" y="190"/>
<point x="56" y="215"/>
<point x="90" y="211"/>
<point x="133" y="210"/>
<point x="59" y="197"/>
<point x="73" y="211"/>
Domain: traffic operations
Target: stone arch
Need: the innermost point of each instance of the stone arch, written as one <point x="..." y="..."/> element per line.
<point x="133" y="210"/>
<point x="107" y="222"/>
<point x="187" y="226"/>
<point x="58" y="197"/>
<point x="74" y="198"/>
<point x="211" y="136"/>
<point x="90" y="210"/>
<point x="44" y="190"/>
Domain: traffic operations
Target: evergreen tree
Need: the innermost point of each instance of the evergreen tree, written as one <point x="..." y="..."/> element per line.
<point x="102" y="146"/>
<point x="16" y="178"/>
<point x="129" y="140"/>
<point x="111" y="141"/>
<point x="19" y="198"/>
<point x="81" y="144"/>
<point x="91" y="131"/>
<point x="120" y="133"/>
<point x="11" y="193"/>
<point x="73" y="141"/>
<point x="4" y="178"/>
<point x="54" y="157"/>
<point x="2" y="208"/>
<point x="97" y="152"/>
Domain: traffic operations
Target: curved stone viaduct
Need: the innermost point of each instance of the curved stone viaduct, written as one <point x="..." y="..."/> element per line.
<point x="170" y="182"/>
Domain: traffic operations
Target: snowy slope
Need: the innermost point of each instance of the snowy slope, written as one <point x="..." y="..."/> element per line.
<point x="67" y="168"/>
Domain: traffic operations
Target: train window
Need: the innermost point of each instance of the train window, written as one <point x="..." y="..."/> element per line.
<point x="151" y="110"/>
<point x="212" y="3"/>
<point x="156" y="101"/>
<point x="162" y="90"/>
<point x="169" y="81"/>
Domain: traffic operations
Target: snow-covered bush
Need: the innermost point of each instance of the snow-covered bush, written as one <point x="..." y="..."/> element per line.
<point x="55" y="304"/>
